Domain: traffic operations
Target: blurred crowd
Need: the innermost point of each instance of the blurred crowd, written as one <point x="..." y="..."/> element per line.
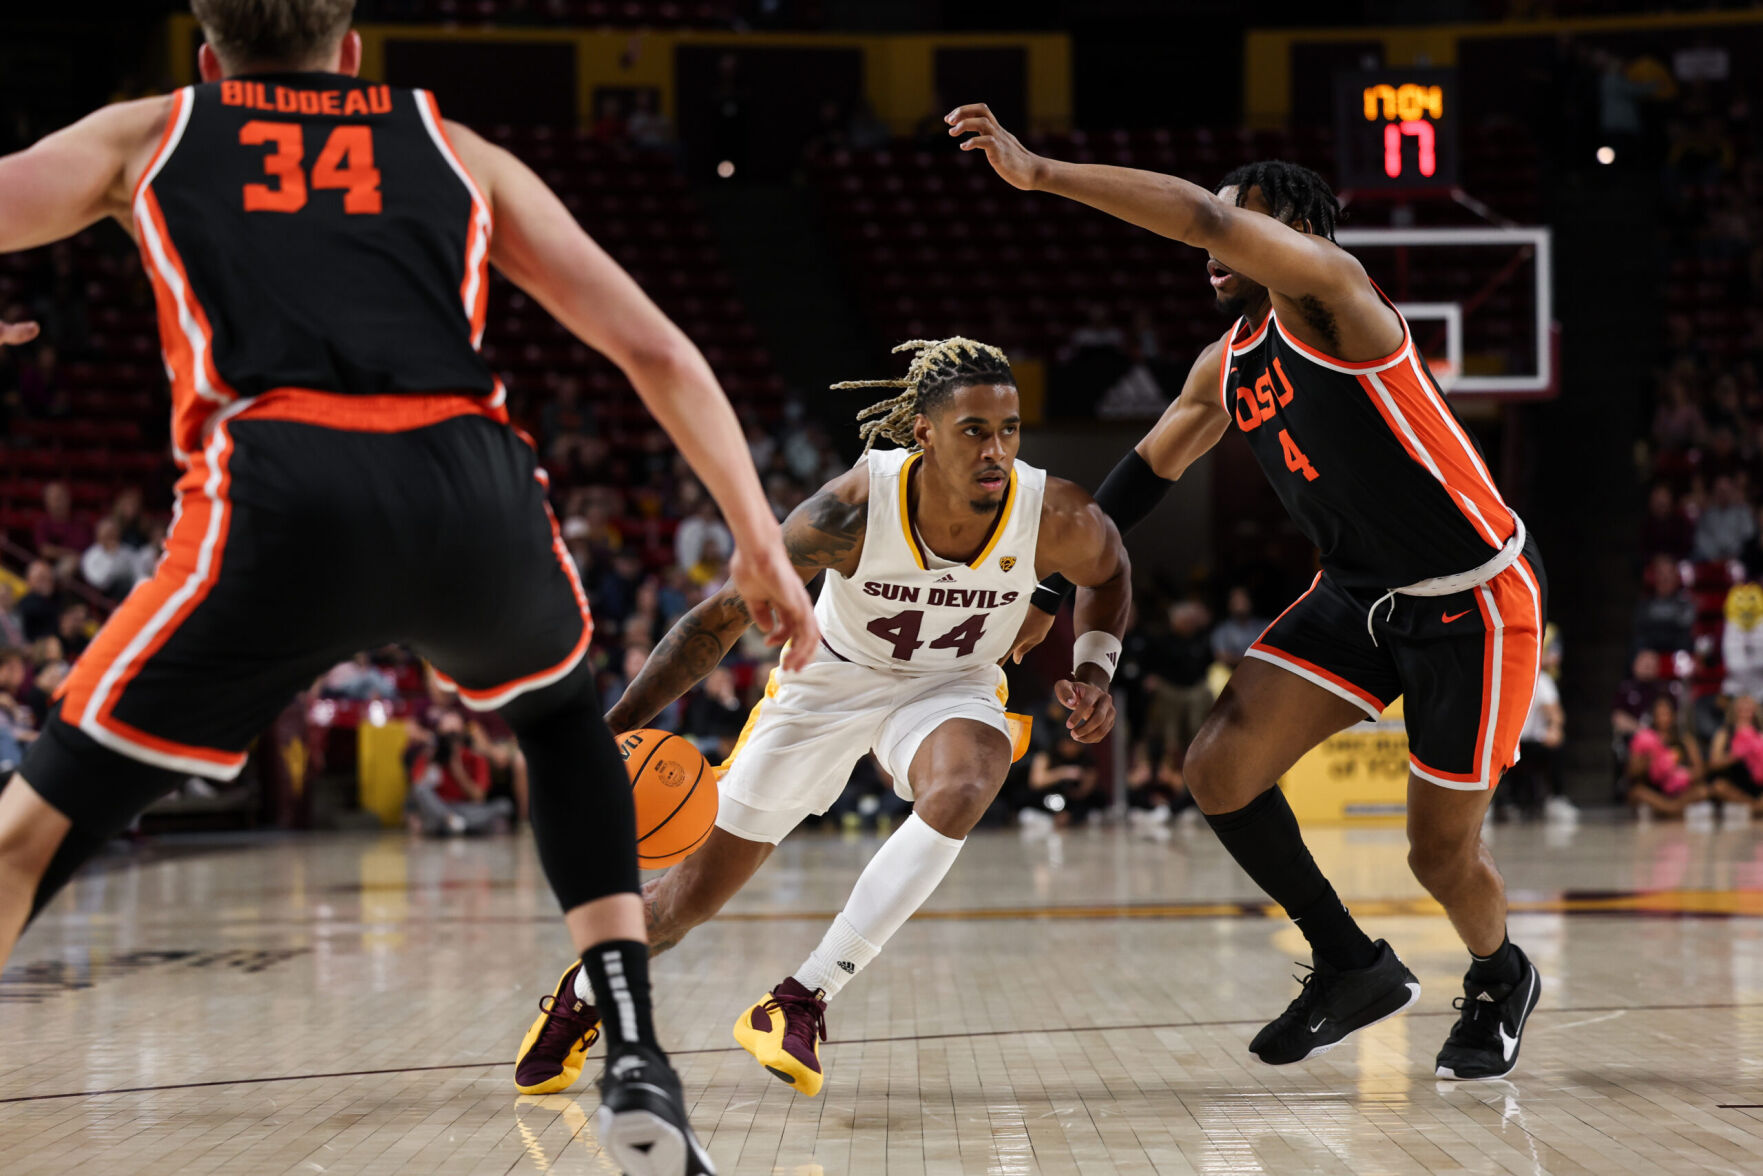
<point x="1684" y="723"/>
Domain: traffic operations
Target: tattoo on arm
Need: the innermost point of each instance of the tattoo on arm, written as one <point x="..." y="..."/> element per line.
<point x="685" y="657"/>
<point x="822" y="532"/>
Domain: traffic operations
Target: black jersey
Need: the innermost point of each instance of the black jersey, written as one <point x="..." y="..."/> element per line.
<point x="312" y="231"/>
<point x="1367" y="458"/>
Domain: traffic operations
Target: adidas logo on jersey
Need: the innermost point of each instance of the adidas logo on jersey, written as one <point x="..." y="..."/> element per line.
<point x="948" y="579"/>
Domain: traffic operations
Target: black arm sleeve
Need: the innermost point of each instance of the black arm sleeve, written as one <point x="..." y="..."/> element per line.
<point x="1131" y="491"/>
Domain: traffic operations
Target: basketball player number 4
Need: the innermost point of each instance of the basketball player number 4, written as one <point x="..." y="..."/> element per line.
<point x="1295" y="459"/>
<point x="346" y="163"/>
<point x="901" y="631"/>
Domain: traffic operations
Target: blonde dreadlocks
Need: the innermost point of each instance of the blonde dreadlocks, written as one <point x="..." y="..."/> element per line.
<point x="939" y="368"/>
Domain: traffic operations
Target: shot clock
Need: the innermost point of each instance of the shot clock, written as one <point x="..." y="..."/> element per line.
<point x="1396" y="129"/>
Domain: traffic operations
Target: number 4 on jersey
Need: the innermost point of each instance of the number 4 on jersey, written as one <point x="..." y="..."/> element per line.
<point x="1295" y="459"/>
<point x="901" y="631"/>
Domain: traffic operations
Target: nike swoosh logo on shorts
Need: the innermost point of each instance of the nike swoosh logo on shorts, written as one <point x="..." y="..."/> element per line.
<point x="1449" y="617"/>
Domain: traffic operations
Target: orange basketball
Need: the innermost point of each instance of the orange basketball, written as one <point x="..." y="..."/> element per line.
<point x="675" y="791"/>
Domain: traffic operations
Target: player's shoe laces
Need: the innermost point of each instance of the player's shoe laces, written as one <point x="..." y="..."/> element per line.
<point x="556" y="1044"/>
<point x="784" y="1032"/>
<point x="642" y="1117"/>
<point x="1334" y="1004"/>
<point x="1484" y="1041"/>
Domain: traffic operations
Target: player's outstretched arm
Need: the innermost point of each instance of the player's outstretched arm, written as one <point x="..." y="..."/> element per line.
<point x="1296" y="265"/>
<point x="824" y="532"/>
<point x="541" y="248"/>
<point x="1189" y="427"/>
<point x="77" y="176"/>
<point x="1082" y="542"/>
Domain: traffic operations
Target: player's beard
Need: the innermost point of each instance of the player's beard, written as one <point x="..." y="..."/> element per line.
<point x="1248" y="294"/>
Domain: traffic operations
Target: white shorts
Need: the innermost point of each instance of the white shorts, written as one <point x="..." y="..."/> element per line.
<point x="801" y="741"/>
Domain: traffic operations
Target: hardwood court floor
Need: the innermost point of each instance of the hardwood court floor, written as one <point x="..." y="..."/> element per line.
<point x="1081" y="1004"/>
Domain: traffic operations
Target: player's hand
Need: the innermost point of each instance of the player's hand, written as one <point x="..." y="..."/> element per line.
<point x="12" y="334"/>
<point x="1019" y="166"/>
<point x="1091" y="707"/>
<point x="775" y="595"/>
<point x="1036" y="624"/>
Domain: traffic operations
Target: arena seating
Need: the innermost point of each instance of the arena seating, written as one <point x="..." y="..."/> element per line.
<point x="933" y="238"/>
<point x="660" y="14"/>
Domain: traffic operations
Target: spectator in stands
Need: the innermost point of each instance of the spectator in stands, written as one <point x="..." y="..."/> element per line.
<point x="1741" y="641"/>
<point x="107" y="565"/>
<point x="39" y="609"/>
<point x="1666" y="529"/>
<point x="702" y="539"/>
<point x="60" y="538"/>
<point x="1174" y="673"/>
<point x="1665" y="616"/>
<point x="1238" y="630"/>
<point x="1735" y="759"/>
<point x="1727" y="523"/>
<point x="648" y="127"/>
<point x="358" y="679"/>
<point x="17" y="725"/>
<point x="132" y="528"/>
<point x="73" y="628"/>
<point x="1155" y="788"/>
<point x="715" y="717"/>
<point x="1062" y="776"/>
<point x="1534" y="784"/>
<point x="1636" y="694"/>
<point x="1664" y="764"/>
<point x="609" y="122"/>
<point x="11" y="625"/>
<point x="40" y="694"/>
<point x="148" y="554"/>
<point x="1678" y="422"/>
<point x="450" y="785"/>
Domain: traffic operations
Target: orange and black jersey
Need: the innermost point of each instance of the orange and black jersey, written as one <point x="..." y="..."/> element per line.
<point x="312" y="231"/>
<point x="1367" y="458"/>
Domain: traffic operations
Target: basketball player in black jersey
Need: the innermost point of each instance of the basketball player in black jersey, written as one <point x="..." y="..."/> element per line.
<point x="319" y="250"/>
<point x="1429" y="589"/>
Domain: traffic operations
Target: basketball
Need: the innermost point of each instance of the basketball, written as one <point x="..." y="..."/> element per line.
<point x="675" y="791"/>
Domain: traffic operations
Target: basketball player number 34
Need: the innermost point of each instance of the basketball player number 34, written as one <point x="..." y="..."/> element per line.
<point x="346" y="162"/>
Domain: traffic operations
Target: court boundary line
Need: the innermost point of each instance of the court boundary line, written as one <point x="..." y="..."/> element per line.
<point x="679" y="1053"/>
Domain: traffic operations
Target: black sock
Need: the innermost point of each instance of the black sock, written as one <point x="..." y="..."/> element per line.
<point x="619" y="971"/>
<point x="1263" y="837"/>
<point x="1494" y="970"/>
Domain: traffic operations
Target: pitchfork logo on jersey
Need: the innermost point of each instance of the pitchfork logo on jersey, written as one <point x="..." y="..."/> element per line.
<point x="1006" y="562"/>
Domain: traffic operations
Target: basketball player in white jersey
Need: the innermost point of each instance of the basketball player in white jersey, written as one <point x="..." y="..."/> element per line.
<point x="931" y="551"/>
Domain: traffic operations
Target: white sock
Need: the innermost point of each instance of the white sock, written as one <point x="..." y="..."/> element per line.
<point x="897" y="880"/>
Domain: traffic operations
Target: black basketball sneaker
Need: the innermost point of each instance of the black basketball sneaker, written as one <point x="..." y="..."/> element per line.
<point x="1484" y="1041"/>
<point x="642" y="1117"/>
<point x="1334" y="1004"/>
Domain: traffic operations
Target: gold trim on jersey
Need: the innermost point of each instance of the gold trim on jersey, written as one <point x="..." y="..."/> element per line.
<point x="998" y="524"/>
<point x="747" y="728"/>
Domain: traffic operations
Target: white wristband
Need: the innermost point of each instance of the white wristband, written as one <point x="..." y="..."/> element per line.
<point x="1098" y="648"/>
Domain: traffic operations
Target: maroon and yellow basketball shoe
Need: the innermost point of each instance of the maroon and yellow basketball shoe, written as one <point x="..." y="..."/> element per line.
<point x="554" y="1048"/>
<point x="784" y="1032"/>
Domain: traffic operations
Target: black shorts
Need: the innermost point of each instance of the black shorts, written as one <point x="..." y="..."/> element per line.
<point x="1465" y="665"/>
<point x="297" y="544"/>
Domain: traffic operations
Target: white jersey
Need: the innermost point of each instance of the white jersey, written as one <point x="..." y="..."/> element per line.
<point x="908" y="611"/>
